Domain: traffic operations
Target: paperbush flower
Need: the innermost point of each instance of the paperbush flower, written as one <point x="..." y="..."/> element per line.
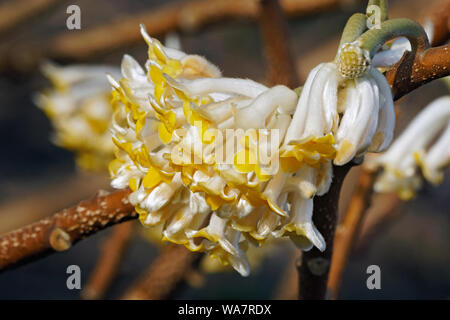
<point x="339" y="117"/>
<point x="79" y="108"/>
<point x="219" y="193"/>
<point x="423" y="149"/>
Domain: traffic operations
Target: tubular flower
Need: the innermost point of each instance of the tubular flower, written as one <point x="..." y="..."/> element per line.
<point x="80" y="111"/>
<point x="200" y="153"/>
<point x="422" y="148"/>
<point x="339" y="117"/>
<point x="221" y="163"/>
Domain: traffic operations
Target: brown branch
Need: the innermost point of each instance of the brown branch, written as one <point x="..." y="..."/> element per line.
<point x="416" y="69"/>
<point x="274" y="30"/>
<point x="35" y="202"/>
<point x="377" y="219"/>
<point x="315" y="265"/>
<point x="354" y="228"/>
<point x="347" y="232"/>
<point x="164" y="274"/>
<point x="287" y="288"/>
<point x="109" y="261"/>
<point x="183" y="15"/>
<point x="63" y="229"/>
<point x="13" y="12"/>
<point x="439" y="16"/>
<point x="413" y="70"/>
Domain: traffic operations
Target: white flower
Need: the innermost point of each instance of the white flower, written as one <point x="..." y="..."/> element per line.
<point x="180" y="103"/>
<point x="172" y="123"/>
<point x="79" y="109"/>
<point x="368" y="120"/>
<point x="339" y="119"/>
<point x="412" y="151"/>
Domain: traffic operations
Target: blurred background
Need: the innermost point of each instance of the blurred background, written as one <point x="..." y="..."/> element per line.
<point x="38" y="178"/>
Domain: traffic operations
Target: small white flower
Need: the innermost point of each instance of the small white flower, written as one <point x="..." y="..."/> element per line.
<point x="339" y="119"/>
<point x="79" y="109"/>
<point x="412" y="150"/>
<point x="368" y="120"/>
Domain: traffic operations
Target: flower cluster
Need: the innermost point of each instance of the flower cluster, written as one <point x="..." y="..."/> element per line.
<point x="172" y="123"/>
<point x="80" y="110"/>
<point x="423" y="149"/>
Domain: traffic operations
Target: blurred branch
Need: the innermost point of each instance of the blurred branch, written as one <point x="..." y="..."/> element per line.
<point x="427" y="63"/>
<point x="287" y="288"/>
<point x="108" y="263"/>
<point x="63" y="229"/>
<point x="438" y="17"/>
<point x="12" y="13"/>
<point x="347" y="231"/>
<point x="377" y="220"/>
<point x="164" y="274"/>
<point x="184" y="16"/>
<point x="280" y="63"/>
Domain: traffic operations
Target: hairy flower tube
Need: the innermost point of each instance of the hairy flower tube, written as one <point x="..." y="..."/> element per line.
<point x="421" y="151"/>
<point x="79" y="108"/>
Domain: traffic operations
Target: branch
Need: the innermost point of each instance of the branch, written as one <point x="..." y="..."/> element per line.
<point x="109" y="261"/>
<point x="164" y="274"/>
<point x="184" y="16"/>
<point x="428" y="64"/>
<point x="347" y="232"/>
<point x="412" y="71"/>
<point x="15" y="12"/>
<point x="36" y="202"/>
<point x="280" y="63"/>
<point x="377" y="220"/>
<point x="416" y="69"/>
<point x="63" y="229"/>
<point x="438" y="16"/>
<point x="315" y="265"/>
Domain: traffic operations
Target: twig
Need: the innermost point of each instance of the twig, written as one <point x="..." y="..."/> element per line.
<point x="426" y="63"/>
<point x="288" y="285"/>
<point x="377" y="219"/>
<point x="183" y="15"/>
<point x="439" y="17"/>
<point x="314" y="267"/>
<point x="348" y="230"/>
<point x="63" y="229"/>
<point x="280" y="63"/>
<point x="35" y="202"/>
<point x="109" y="261"/>
<point x="163" y="275"/>
<point x="417" y="69"/>
<point x="14" y="12"/>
